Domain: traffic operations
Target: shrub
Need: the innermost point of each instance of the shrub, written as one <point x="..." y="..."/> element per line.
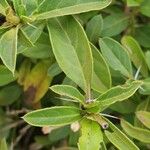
<point x="78" y="69"/>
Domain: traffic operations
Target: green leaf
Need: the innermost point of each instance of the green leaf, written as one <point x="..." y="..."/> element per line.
<point x="24" y="39"/>
<point x="141" y="35"/>
<point x="114" y="24"/>
<point x="19" y="7"/>
<point x="71" y="49"/>
<point x="143" y="106"/>
<point x="8" y="48"/>
<point x="147" y="56"/>
<point x="3" y="6"/>
<point x="129" y="104"/>
<point x="118" y="93"/>
<point x="3" y="144"/>
<point x="142" y="135"/>
<point x="51" y="9"/>
<point x="144" y="117"/>
<point x="116" y="56"/>
<point x="145" y="88"/>
<point x="69" y="91"/>
<point x="144" y="9"/>
<point x="31" y="6"/>
<point x="54" y="70"/>
<point x="94" y="28"/>
<point x="34" y="31"/>
<point x="9" y="94"/>
<point x="119" y="139"/>
<point x="58" y="134"/>
<point x="5" y="76"/>
<point x="91" y="135"/>
<point x="54" y="116"/>
<point x="101" y="79"/>
<point x="41" y="49"/>
<point x="133" y="3"/>
<point x="136" y="54"/>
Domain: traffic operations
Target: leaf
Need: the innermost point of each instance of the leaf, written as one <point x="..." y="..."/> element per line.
<point x="114" y="24"/>
<point x="41" y="49"/>
<point x="135" y="132"/>
<point x="3" y="6"/>
<point x="54" y="116"/>
<point x="71" y="49"/>
<point x="144" y="9"/>
<point x="54" y="70"/>
<point x="3" y="144"/>
<point x="143" y="106"/>
<point x="24" y="39"/>
<point x="19" y="7"/>
<point x="101" y="79"/>
<point x="119" y="139"/>
<point x="31" y="6"/>
<point x="91" y="135"/>
<point x="5" y="76"/>
<point x="34" y="31"/>
<point x="129" y="104"/>
<point x="51" y="9"/>
<point x="141" y="35"/>
<point x="145" y="88"/>
<point x="68" y="91"/>
<point x="9" y="94"/>
<point x="116" y="56"/>
<point x="147" y="56"/>
<point x="58" y="134"/>
<point x="94" y="28"/>
<point x="118" y="93"/>
<point x="144" y="117"/>
<point x="24" y="71"/>
<point x="133" y="3"/>
<point x="136" y="54"/>
<point x="35" y="82"/>
<point x="8" y="48"/>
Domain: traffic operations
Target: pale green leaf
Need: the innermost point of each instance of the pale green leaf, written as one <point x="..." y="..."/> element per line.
<point x="116" y="56"/>
<point x="54" y="70"/>
<point x="8" y="48"/>
<point x="144" y="117"/>
<point x="114" y="24"/>
<point x="34" y="31"/>
<point x="136" y="54"/>
<point x="3" y="6"/>
<point x="53" y="116"/>
<point x="71" y="49"/>
<point x="69" y="91"/>
<point x="145" y="88"/>
<point x="51" y="9"/>
<point x="118" y="93"/>
<point x="101" y="79"/>
<point x="119" y="139"/>
<point x="94" y="28"/>
<point x="140" y="134"/>
<point x="41" y="49"/>
<point x="91" y="135"/>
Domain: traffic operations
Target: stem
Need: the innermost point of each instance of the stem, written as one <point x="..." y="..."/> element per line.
<point x="110" y="116"/>
<point x="88" y="94"/>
